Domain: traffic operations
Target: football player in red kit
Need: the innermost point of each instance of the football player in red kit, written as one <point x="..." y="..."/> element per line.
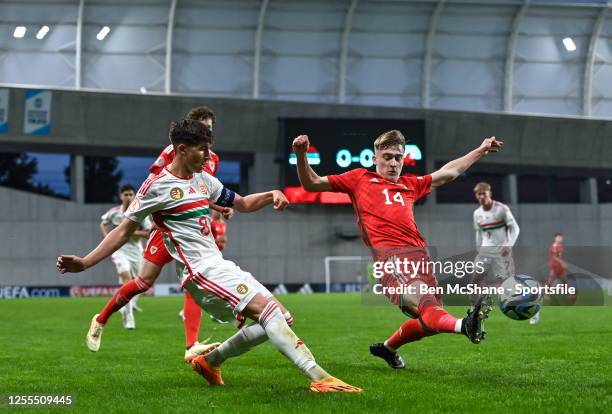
<point x="557" y="270"/>
<point x="383" y="203"/>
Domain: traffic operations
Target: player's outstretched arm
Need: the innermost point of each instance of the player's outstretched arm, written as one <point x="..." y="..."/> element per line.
<point x="254" y="202"/>
<point x="111" y="243"/>
<point x="144" y="233"/>
<point x="309" y="179"/>
<point x="453" y="169"/>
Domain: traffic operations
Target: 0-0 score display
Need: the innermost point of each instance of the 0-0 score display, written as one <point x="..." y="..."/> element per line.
<point x="339" y="145"/>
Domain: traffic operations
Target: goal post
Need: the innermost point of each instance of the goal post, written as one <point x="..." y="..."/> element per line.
<point x="355" y="270"/>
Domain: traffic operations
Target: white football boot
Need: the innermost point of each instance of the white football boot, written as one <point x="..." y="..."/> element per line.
<point x="200" y="348"/>
<point x="94" y="335"/>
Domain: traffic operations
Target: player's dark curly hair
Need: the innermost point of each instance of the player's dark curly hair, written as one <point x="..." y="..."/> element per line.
<point x="201" y="113"/>
<point x="190" y="133"/>
<point x="126" y="187"/>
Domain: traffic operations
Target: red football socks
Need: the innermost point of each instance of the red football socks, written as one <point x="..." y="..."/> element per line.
<point x="434" y="317"/>
<point x="122" y="297"/>
<point x="193" y="316"/>
<point x="410" y="331"/>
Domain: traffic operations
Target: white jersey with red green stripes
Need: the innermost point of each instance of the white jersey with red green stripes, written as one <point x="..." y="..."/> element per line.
<point x="493" y="224"/>
<point x="133" y="248"/>
<point x="180" y="206"/>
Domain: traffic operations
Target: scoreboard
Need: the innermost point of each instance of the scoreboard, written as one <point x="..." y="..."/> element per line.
<point x="340" y="145"/>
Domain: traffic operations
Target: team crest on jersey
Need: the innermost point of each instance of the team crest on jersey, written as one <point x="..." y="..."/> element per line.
<point x="176" y="193"/>
<point x="242" y="288"/>
<point x="203" y="188"/>
<point x="134" y="205"/>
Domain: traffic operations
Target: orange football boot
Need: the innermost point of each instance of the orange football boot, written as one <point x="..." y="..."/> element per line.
<point x="211" y="374"/>
<point x="331" y="384"/>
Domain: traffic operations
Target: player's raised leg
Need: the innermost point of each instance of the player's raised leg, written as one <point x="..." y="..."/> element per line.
<point x="269" y="316"/>
<point x="148" y="274"/>
<point x="244" y="340"/>
<point x="431" y="319"/>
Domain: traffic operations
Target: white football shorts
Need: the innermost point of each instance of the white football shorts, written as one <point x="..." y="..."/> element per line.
<point x="225" y="290"/>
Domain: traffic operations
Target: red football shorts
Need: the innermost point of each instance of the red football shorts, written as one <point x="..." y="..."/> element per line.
<point x="558" y="271"/>
<point x="156" y="251"/>
<point x="401" y="278"/>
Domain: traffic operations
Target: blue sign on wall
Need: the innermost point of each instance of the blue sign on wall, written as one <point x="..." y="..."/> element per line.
<point x="37" y="114"/>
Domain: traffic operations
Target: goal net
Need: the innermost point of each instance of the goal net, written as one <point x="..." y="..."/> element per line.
<point x="346" y="273"/>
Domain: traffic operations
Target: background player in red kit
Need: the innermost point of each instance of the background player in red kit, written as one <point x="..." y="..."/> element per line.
<point x="156" y="257"/>
<point x="218" y="227"/>
<point x="557" y="269"/>
<point x="383" y="203"/>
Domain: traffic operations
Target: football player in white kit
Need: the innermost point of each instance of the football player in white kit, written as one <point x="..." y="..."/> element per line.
<point x="179" y="199"/>
<point x="496" y="233"/>
<point x="127" y="258"/>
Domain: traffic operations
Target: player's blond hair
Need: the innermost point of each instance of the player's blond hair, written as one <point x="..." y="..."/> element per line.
<point x="389" y="139"/>
<point x="482" y="186"/>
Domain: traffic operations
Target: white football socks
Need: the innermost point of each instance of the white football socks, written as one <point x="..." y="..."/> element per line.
<point x="272" y="324"/>
<point x="241" y="342"/>
<point x="287" y="342"/>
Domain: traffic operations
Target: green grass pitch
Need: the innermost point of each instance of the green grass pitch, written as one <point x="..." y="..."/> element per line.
<point x="564" y="364"/>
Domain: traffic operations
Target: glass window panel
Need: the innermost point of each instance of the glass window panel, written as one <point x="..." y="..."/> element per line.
<point x="40" y="173"/>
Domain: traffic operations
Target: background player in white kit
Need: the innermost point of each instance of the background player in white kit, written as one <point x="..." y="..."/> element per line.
<point x="179" y="200"/>
<point x="127" y="258"/>
<point x="496" y="233"/>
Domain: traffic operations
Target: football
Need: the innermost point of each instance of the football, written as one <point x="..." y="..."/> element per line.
<point x="521" y="299"/>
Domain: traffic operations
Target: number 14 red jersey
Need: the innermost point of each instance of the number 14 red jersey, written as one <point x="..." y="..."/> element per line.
<point x="384" y="209"/>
